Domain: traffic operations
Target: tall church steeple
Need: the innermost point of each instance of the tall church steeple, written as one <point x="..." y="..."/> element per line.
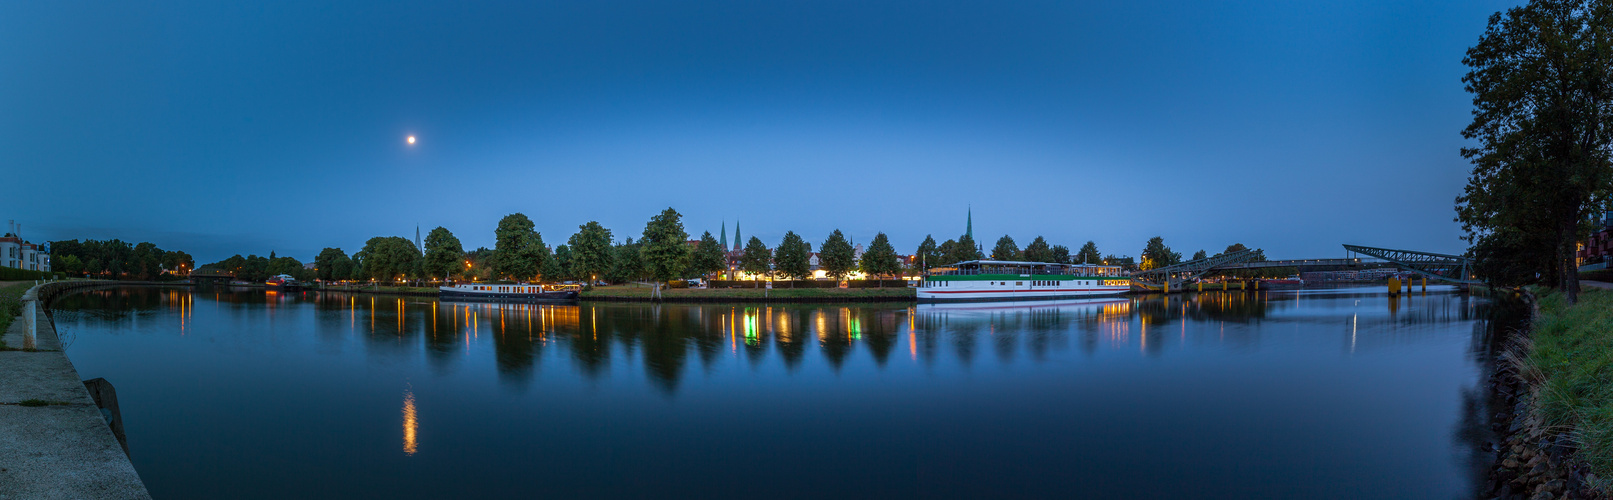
<point x="737" y="242"/>
<point x="724" y="241"/>
<point x="969" y="227"/>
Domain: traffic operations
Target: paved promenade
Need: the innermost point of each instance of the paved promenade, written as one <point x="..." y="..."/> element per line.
<point x="64" y="449"/>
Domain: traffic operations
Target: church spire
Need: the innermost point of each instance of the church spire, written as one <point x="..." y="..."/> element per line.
<point x="724" y="241"/>
<point x="969" y="227"/>
<point x="737" y="241"/>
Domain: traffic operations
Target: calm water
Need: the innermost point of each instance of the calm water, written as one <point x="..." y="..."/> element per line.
<point x="1310" y="394"/>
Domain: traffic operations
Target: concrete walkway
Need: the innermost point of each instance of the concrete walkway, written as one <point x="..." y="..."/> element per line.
<point x="1596" y="284"/>
<point x="62" y="450"/>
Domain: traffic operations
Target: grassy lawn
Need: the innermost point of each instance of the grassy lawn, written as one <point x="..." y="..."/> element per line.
<point x="785" y="293"/>
<point x="1573" y="351"/>
<point x="11" y="304"/>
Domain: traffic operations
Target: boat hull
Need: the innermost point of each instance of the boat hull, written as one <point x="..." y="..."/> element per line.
<point x="535" y="297"/>
<point x="925" y="295"/>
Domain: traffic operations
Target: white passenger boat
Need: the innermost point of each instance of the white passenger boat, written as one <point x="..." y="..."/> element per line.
<point x="505" y="293"/>
<point x="983" y="280"/>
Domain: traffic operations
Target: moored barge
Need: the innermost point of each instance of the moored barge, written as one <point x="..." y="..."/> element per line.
<point x="992" y="280"/>
<point x="505" y="293"/>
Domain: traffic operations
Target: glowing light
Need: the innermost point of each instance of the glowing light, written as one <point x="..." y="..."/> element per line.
<point x="410" y="425"/>
<point x="411" y="140"/>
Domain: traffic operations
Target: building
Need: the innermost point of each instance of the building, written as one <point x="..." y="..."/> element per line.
<point x="17" y="253"/>
<point x="1593" y="253"/>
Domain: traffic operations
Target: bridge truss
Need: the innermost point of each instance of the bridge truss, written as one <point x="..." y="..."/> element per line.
<point x="1194" y="268"/>
<point x="1452" y="268"/>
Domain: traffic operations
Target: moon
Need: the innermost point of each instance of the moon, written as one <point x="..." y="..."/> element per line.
<point x="411" y="140"/>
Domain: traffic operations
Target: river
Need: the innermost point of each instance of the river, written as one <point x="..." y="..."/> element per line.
<point x="1341" y="393"/>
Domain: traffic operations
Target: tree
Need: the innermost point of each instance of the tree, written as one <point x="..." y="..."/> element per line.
<point x="518" y="251"/>
<point x="836" y="256"/>
<point x="880" y="259"/>
<point x="341" y="268"/>
<point x="1038" y="251"/>
<point x="1005" y="249"/>
<point x="1234" y="248"/>
<point x="1061" y="254"/>
<point x="1543" y="121"/>
<point x="928" y="254"/>
<point x="948" y="251"/>
<point x="626" y="263"/>
<point x="1157" y="255"/>
<point x="793" y="258"/>
<point x="443" y="254"/>
<point x="1200" y="255"/>
<point x="756" y="259"/>
<point x="967" y="249"/>
<point x="664" y="251"/>
<point x="68" y="264"/>
<point x="1088" y="254"/>
<point x="708" y="257"/>
<point x="591" y="252"/>
<point x="388" y="258"/>
<point x="557" y="266"/>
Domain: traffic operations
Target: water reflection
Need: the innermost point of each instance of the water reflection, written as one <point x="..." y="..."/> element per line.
<point x="666" y="339"/>
<point x="410" y="425"/>
<point x="1255" y="394"/>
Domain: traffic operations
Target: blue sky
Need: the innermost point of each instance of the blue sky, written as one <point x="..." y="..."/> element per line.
<point x="221" y="129"/>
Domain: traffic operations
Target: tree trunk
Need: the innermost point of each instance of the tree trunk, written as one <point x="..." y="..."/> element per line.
<point x="1570" y="272"/>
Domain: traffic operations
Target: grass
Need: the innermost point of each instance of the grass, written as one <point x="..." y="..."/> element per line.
<point x="1572" y="360"/>
<point x="11" y="305"/>
<point x="778" y="293"/>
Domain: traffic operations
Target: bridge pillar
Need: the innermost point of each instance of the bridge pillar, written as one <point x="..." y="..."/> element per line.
<point x="1201" y="286"/>
<point x="1394" y="286"/>
<point x="1425" y="284"/>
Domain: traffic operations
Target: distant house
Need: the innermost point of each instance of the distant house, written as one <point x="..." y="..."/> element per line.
<point x="19" y="254"/>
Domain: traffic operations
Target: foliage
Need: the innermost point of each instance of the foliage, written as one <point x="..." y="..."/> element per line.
<point x="518" y="251"/>
<point x="793" y="258"/>
<point x="708" y="258"/>
<point x="1060" y="254"/>
<point x="1088" y="254"/>
<point x="836" y="257"/>
<point x="1038" y="251"/>
<point x="626" y="264"/>
<point x="388" y="258"/>
<point x="325" y="264"/>
<point x="756" y="259"/>
<point x="664" y="250"/>
<point x="117" y="259"/>
<point x="591" y="252"/>
<point x="880" y="258"/>
<point x="1200" y="255"/>
<point x="443" y="254"/>
<point x="1234" y="248"/>
<point x="964" y="249"/>
<point x="1157" y="255"/>
<point x="1543" y="120"/>
<point x="1006" y="249"/>
<point x="557" y="267"/>
<point x="928" y="254"/>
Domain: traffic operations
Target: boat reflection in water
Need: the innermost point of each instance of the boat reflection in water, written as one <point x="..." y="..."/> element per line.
<point x="1255" y="394"/>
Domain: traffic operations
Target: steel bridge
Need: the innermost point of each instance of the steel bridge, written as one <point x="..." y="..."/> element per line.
<point x="1438" y="266"/>
<point x="1442" y="267"/>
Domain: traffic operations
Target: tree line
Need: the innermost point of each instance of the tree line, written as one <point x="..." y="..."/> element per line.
<point x="116" y="259"/>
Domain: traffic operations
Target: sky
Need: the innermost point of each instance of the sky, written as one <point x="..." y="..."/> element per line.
<point x="223" y="128"/>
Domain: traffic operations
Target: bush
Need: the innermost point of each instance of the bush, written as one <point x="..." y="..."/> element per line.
<point x="876" y="284"/>
<point x="14" y="274"/>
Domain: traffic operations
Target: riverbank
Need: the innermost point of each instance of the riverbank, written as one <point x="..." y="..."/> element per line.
<point x="641" y="293"/>
<point x="54" y="440"/>
<point x="1553" y="395"/>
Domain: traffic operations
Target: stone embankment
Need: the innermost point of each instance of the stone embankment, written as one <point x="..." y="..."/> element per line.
<point x="55" y="441"/>
<point x="1533" y="461"/>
